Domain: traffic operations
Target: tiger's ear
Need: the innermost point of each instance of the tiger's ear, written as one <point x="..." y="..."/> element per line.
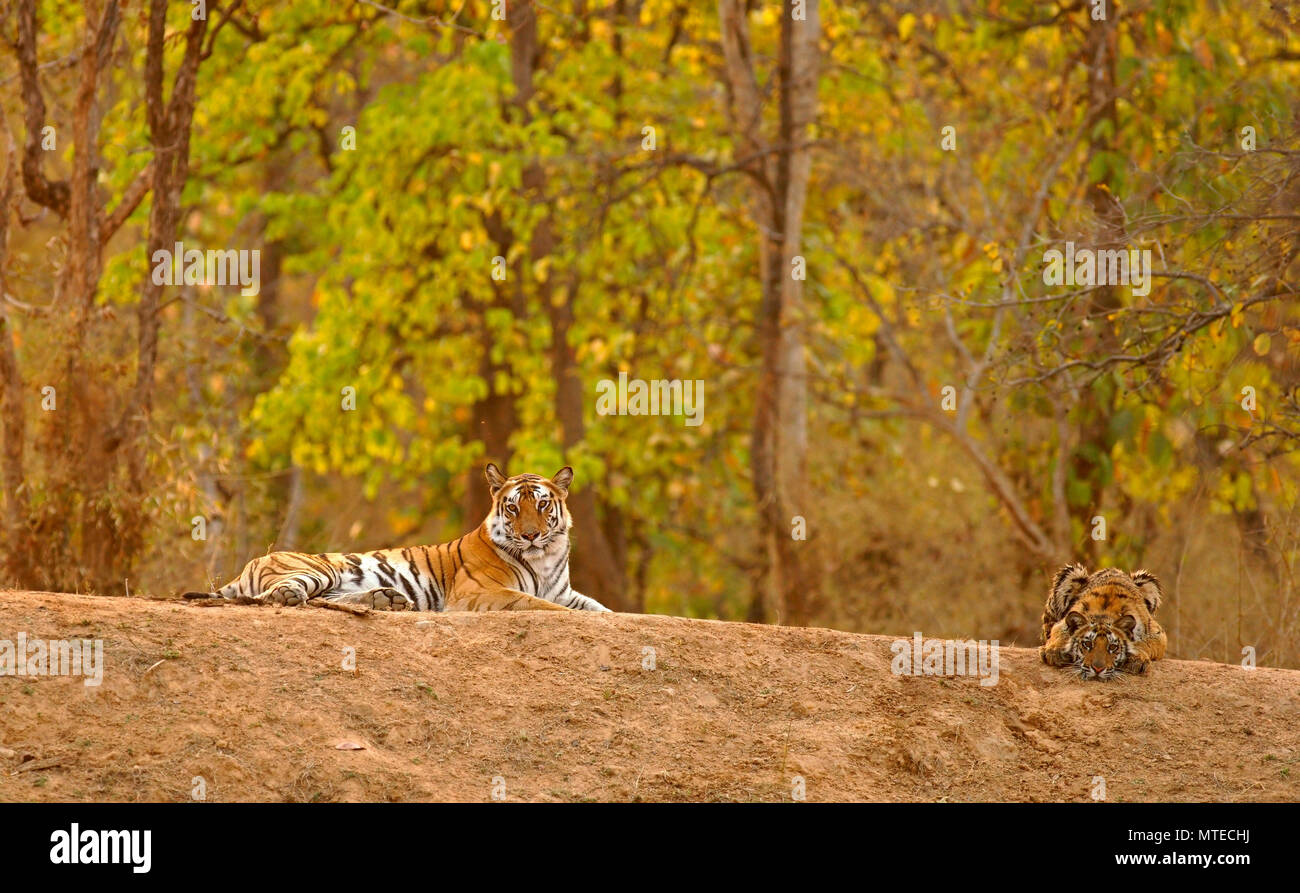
<point x="1126" y="624"/>
<point x="1074" y="620"/>
<point x="562" y="479"/>
<point x="1149" y="586"/>
<point x="496" y="480"/>
<point x="1068" y="585"/>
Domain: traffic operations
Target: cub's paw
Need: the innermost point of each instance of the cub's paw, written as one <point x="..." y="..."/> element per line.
<point x="1136" y="665"/>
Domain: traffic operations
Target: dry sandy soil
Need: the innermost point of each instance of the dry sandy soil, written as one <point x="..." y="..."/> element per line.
<point x="257" y="702"/>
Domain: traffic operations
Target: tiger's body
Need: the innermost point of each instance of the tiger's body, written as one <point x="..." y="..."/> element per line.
<point x="516" y="560"/>
<point x="1102" y="624"/>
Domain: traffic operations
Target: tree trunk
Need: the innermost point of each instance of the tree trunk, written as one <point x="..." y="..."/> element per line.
<point x="493" y="418"/>
<point x="90" y="524"/>
<point x="1094" y="411"/>
<point x="780" y="168"/>
<point x="597" y="564"/>
<point x="597" y="570"/>
<point x="18" y="552"/>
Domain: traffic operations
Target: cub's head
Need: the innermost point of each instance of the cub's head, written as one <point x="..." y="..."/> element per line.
<point x="1100" y="644"/>
<point x="1104" y="613"/>
<point x="528" y="510"/>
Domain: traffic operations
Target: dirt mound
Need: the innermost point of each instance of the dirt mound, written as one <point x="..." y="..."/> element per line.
<point x="258" y="703"/>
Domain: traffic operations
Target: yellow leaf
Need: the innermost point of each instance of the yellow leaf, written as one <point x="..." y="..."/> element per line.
<point x="1164" y="39"/>
<point x="884" y="291"/>
<point x="1263" y="341"/>
<point x="960" y="245"/>
<point x="905" y="26"/>
<point x="1201" y="50"/>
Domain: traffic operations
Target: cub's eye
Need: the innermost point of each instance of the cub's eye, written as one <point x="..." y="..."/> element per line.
<point x="542" y="504"/>
<point x="511" y="510"/>
<point x="1114" y="646"/>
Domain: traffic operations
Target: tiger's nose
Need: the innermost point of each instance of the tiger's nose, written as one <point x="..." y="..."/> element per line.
<point x="531" y="536"/>
<point x="1096" y="668"/>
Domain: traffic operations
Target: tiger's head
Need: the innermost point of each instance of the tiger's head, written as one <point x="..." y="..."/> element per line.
<point x="1100" y="644"/>
<point x="529" y="514"/>
<point x="1104" y="614"/>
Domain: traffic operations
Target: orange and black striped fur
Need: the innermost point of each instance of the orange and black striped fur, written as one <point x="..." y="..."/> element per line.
<point x="1102" y="624"/>
<point x="516" y="560"/>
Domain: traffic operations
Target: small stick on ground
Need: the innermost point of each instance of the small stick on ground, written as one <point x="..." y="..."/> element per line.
<point x="222" y="602"/>
<point x="358" y="610"/>
<point x="32" y="765"/>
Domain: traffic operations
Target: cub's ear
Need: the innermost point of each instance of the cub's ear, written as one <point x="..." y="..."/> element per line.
<point x="1126" y="624"/>
<point x="1074" y="620"/>
<point x="496" y="480"/>
<point x="1149" y="586"/>
<point x="562" y="479"/>
<point x="1068" y="585"/>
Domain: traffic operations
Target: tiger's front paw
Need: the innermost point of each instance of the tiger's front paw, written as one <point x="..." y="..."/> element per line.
<point x="289" y="596"/>
<point x="387" y="600"/>
<point x="1137" y="665"/>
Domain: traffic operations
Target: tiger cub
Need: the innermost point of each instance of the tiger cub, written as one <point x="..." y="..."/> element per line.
<point x="1101" y="624"/>
<point x="516" y="560"/>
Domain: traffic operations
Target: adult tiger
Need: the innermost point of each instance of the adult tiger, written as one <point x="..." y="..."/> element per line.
<point x="516" y="560"/>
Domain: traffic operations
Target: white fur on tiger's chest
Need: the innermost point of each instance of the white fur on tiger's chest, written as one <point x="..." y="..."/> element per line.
<point x="545" y="571"/>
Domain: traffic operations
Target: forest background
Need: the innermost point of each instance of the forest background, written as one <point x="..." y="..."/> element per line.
<point x="835" y="216"/>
